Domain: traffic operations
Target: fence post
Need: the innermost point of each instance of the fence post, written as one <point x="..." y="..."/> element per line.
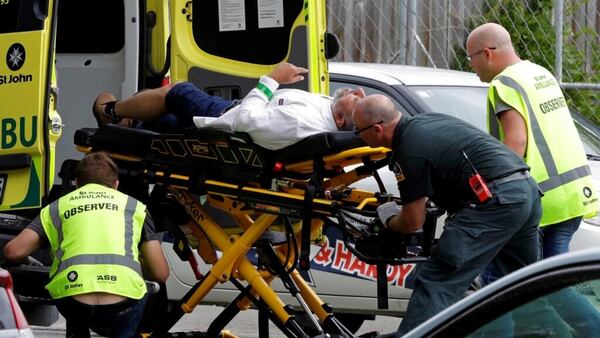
<point x="411" y="23"/>
<point x="558" y="32"/>
<point x="402" y="31"/>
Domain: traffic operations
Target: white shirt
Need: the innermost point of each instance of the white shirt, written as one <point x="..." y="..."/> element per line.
<point x="290" y="116"/>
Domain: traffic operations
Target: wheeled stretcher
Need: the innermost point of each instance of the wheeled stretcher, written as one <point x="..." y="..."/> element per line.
<point x="277" y="202"/>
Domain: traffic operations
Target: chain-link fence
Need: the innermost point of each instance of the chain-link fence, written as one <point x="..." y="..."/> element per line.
<point x="557" y="34"/>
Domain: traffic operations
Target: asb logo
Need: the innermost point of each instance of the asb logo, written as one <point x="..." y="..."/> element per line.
<point x="72" y="276"/>
<point x="15" y="56"/>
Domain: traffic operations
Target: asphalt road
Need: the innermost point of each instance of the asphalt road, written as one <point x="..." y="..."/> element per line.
<point x="244" y="325"/>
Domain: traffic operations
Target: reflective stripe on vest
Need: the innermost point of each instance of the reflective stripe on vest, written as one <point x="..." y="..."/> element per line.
<point x="127" y="260"/>
<point x="554" y="178"/>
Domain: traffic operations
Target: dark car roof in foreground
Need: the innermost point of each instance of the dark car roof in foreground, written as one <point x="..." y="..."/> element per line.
<point x="573" y="258"/>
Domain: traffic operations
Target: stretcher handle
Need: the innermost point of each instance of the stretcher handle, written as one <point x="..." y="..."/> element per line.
<point x="304" y="260"/>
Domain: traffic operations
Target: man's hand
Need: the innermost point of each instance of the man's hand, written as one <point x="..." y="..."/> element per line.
<point x="287" y="73"/>
<point x="386" y="211"/>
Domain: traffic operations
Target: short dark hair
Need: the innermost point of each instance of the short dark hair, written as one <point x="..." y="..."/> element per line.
<point x="96" y="168"/>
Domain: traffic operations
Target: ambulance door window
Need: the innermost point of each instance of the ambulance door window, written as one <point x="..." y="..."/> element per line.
<point x="90" y="26"/>
<point x="246" y="30"/>
<point x="22" y="16"/>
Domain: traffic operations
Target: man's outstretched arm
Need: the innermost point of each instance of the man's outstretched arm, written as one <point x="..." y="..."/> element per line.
<point x="26" y="242"/>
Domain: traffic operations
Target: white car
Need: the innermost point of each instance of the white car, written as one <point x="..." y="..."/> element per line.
<point x="338" y="277"/>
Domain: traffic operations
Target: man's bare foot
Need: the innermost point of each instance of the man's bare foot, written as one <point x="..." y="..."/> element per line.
<point x="103" y="110"/>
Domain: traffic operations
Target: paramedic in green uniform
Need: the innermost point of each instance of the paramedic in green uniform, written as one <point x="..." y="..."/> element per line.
<point x="428" y="162"/>
<point x="96" y="235"/>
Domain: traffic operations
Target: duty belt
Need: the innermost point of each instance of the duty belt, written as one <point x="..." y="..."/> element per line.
<point x="512" y="177"/>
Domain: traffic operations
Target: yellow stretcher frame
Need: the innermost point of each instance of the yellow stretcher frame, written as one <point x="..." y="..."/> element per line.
<point x="255" y="213"/>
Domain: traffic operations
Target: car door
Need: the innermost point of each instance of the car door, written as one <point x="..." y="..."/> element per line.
<point x="29" y="126"/>
<point x="557" y="297"/>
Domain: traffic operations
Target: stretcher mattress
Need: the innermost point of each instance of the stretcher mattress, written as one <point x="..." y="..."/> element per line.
<point x="217" y="153"/>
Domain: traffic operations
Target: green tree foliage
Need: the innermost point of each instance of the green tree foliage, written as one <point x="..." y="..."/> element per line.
<point x="531" y="26"/>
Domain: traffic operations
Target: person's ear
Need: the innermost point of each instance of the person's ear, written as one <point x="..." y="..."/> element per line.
<point x="338" y="117"/>
<point x="489" y="53"/>
<point x="378" y="129"/>
<point x="115" y="184"/>
<point x="360" y="92"/>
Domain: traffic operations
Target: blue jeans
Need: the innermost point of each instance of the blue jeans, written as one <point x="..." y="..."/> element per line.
<point x="119" y="319"/>
<point x="183" y="102"/>
<point x="556" y="237"/>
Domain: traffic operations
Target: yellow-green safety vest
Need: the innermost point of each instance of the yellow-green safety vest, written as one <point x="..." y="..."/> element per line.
<point x="554" y="151"/>
<point x="94" y="233"/>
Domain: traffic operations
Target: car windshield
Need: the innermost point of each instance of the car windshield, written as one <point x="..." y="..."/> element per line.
<point x="468" y="104"/>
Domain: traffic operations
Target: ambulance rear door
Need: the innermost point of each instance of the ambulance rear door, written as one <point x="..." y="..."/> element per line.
<point x="29" y="124"/>
<point x="224" y="46"/>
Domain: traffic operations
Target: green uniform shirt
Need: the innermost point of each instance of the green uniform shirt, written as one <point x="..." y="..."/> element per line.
<point x="428" y="162"/>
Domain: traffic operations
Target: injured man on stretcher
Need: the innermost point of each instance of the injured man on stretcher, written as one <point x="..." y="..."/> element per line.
<point x="215" y="189"/>
<point x="273" y="118"/>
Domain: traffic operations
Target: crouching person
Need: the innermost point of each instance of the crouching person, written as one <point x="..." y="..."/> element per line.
<point x="447" y="160"/>
<point x="98" y="236"/>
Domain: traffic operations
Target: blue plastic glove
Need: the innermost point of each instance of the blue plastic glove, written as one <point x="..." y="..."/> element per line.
<point x="386" y="211"/>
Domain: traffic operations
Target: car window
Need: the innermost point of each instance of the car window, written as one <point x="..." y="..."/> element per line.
<point x="569" y="312"/>
<point x="591" y="141"/>
<point x="335" y="85"/>
<point x="466" y="103"/>
<point x="369" y="90"/>
<point x="7" y="321"/>
<point x="589" y="133"/>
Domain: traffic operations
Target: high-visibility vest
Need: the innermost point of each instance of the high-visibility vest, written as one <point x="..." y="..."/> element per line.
<point x="94" y="234"/>
<point x="554" y="150"/>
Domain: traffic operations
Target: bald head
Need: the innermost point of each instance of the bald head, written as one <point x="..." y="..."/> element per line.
<point x="491" y="51"/>
<point x="490" y="35"/>
<point x="375" y="118"/>
<point x="375" y="108"/>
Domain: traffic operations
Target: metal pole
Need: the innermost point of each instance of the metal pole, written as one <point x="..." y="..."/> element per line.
<point x="412" y="32"/>
<point x="580" y="86"/>
<point x="348" y="31"/>
<point x="402" y="31"/>
<point x="558" y="30"/>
